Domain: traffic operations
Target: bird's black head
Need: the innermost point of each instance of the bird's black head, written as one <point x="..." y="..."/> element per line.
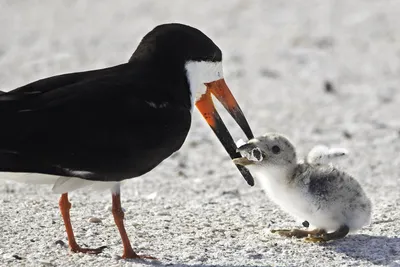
<point x="175" y="44"/>
<point x="184" y="53"/>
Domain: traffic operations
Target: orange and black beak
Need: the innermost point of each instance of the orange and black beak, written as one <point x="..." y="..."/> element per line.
<point x="206" y="106"/>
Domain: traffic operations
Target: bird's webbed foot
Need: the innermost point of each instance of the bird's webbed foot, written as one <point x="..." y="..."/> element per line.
<point x="298" y="233"/>
<point x="325" y="237"/>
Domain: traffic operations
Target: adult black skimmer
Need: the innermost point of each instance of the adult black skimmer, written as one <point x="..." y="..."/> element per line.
<point x="107" y="125"/>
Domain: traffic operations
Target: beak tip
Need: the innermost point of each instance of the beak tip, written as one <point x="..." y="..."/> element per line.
<point x="236" y="161"/>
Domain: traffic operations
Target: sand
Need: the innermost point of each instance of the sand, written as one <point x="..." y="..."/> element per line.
<point x="195" y="209"/>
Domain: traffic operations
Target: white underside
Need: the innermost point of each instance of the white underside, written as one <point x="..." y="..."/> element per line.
<point x="275" y="187"/>
<point x="299" y="203"/>
<point x="60" y="184"/>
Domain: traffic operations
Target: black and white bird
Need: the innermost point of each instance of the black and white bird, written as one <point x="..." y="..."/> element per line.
<point x="103" y="126"/>
<point x="332" y="201"/>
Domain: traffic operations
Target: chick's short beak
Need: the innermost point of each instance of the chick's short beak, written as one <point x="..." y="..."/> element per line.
<point x="242" y="161"/>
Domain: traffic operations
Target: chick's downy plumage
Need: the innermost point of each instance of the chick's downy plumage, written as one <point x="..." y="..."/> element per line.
<point x="329" y="199"/>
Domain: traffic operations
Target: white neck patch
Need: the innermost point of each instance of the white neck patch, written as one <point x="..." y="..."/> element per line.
<point x="199" y="73"/>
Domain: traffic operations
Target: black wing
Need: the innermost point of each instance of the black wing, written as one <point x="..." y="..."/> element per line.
<point x="101" y="124"/>
<point x="17" y="98"/>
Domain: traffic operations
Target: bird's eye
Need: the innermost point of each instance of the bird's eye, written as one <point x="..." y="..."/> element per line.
<point x="276" y="149"/>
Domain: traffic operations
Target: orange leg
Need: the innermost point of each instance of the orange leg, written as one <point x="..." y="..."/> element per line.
<point x="118" y="214"/>
<point x="65" y="206"/>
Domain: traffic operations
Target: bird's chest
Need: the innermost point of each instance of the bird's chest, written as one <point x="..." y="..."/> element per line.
<point x="288" y="196"/>
<point x="158" y="136"/>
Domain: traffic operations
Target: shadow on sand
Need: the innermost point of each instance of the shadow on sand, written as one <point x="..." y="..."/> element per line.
<point x="380" y="250"/>
<point x="157" y="263"/>
<point x="375" y="249"/>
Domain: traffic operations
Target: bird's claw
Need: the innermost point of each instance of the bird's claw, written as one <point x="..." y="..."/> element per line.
<point x="130" y="254"/>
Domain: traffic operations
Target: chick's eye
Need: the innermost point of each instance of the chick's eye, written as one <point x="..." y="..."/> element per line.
<point x="276" y="149"/>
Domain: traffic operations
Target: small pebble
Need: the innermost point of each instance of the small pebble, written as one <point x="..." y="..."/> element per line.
<point x="182" y="174"/>
<point x="15" y="256"/>
<point x="347" y="135"/>
<point x="265" y="72"/>
<point x="325" y="42"/>
<point x="328" y="86"/>
<point x="61" y="243"/>
<point x="210" y="172"/>
<point x="163" y="213"/>
<point x="94" y="220"/>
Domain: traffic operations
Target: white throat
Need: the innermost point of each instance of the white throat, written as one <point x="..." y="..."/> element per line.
<point x="200" y="72"/>
<point x="272" y="177"/>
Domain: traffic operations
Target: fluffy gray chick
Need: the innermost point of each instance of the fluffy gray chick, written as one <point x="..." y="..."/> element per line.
<point x="331" y="200"/>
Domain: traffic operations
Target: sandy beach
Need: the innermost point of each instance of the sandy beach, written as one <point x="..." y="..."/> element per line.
<point x="195" y="209"/>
